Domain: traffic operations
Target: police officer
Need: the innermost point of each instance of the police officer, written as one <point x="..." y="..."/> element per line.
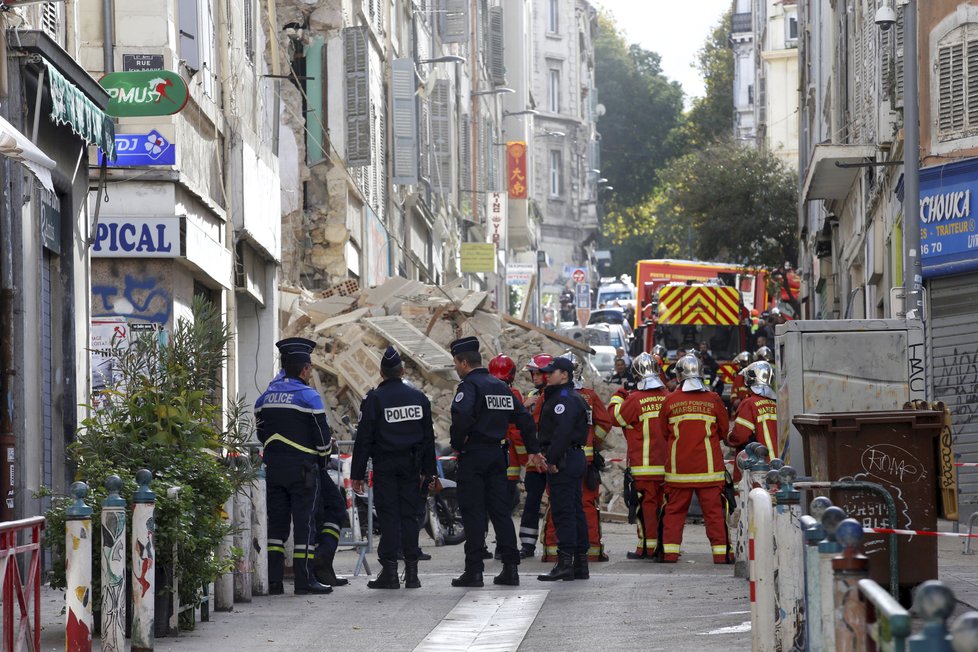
<point x="395" y="431"/>
<point x="482" y="410"/>
<point x="563" y="433"/>
<point x="291" y="423"/>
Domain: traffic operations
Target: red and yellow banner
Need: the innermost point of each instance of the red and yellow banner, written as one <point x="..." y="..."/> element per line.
<point x="699" y="304"/>
<point x="516" y="170"/>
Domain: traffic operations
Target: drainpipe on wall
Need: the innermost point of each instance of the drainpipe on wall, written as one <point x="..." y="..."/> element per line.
<point x="108" y="35"/>
<point x="8" y="443"/>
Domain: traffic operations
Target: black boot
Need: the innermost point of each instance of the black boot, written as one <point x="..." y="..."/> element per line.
<point x="527" y="552"/>
<point x="312" y="587"/>
<point x="387" y="578"/>
<point x="470" y="578"/>
<point x="325" y="574"/>
<point x="581" y="571"/>
<point x="411" y="580"/>
<point x="509" y="577"/>
<point x="275" y="588"/>
<point x="562" y="570"/>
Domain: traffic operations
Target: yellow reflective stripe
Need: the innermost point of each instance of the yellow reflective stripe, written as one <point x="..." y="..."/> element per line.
<point x="694" y="477"/>
<point x="646" y="436"/>
<point x="692" y="417"/>
<point x="588" y="450"/>
<point x="594" y="550"/>
<point x="600" y="432"/>
<point x="550" y="550"/>
<point x="647" y="470"/>
<point x="719" y="550"/>
<point x="709" y="450"/>
<point x="741" y="421"/>
<point x="303" y="555"/>
<point x="513" y="471"/>
<point x="671" y="548"/>
<point x="276" y="549"/>
<point x="289" y="442"/>
<point x="521" y="449"/>
<point x="330" y="531"/>
<point x="616" y="413"/>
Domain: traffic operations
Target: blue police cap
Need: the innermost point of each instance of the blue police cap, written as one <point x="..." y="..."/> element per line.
<point x="564" y="364"/>
<point x="295" y="349"/>
<point x="464" y="344"/>
<point x="391" y="359"/>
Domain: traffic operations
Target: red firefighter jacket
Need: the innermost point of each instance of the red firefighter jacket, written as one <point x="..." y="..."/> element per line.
<point x="517" y="449"/>
<point x="756" y="420"/>
<point x="600" y="424"/>
<point x="738" y="389"/>
<point x="638" y="416"/>
<point x="693" y="423"/>
<point x="536" y="411"/>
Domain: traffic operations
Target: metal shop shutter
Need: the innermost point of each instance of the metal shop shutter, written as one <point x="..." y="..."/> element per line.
<point x="952" y="343"/>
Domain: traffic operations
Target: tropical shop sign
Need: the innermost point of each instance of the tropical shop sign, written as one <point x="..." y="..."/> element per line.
<point x="144" y="93"/>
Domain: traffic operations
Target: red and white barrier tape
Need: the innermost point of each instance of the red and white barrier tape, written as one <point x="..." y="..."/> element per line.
<point x="914" y="533"/>
<point x="972" y="464"/>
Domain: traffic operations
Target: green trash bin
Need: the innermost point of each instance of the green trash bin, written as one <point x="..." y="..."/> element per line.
<point x="896" y="449"/>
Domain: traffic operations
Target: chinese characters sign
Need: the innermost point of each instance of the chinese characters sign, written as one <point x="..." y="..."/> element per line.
<point x="516" y="169"/>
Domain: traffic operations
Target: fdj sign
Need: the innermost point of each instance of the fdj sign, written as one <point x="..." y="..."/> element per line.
<point x="137" y="237"/>
<point x="144" y="93"/>
<point x="143" y="149"/>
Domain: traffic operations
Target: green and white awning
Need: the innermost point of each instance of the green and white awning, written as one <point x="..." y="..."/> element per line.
<point x="71" y="107"/>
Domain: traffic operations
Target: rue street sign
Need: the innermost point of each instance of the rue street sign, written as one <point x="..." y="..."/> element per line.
<point x="132" y="62"/>
<point x="144" y="93"/>
<point x="143" y="149"/>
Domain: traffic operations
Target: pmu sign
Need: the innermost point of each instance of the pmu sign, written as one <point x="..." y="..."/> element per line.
<point x="137" y="237"/>
<point x="144" y="93"/>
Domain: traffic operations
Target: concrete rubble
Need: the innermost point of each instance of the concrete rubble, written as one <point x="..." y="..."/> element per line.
<point x="353" y="326"/>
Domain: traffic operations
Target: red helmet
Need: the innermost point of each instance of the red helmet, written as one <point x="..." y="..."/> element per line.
<point x="539" y="361"/>
<point x="503" y="368"/>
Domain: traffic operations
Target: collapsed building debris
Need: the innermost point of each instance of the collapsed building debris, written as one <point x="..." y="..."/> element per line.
<point x="353" y="326"/>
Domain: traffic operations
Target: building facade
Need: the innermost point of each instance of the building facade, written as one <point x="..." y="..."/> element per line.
<point x="775" y="41"/>
<point x="745" y="74"/>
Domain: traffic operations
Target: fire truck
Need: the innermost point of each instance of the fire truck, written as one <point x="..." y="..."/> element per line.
<point x="682" y="303"/>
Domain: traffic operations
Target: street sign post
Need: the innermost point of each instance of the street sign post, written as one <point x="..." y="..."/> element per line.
<point x="583" y="295"/>
<point x="579" y="275"/>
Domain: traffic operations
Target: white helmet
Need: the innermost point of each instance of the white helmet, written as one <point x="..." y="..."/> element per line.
<point x="646" y="370"/>
<point x="759" y="377"/>
<point x="578" y="375"/>
<point x="689" y="369"/>
<point x="764" y="353"/>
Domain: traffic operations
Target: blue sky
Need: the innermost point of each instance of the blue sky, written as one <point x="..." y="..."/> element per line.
<point x="674" y="29"/>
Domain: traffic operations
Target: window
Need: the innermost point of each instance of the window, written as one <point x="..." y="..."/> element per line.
<point x="556" y="173"/>
<point x="249" y="30"/>
<point x="957" y="81"/>
<point x="553" y="90"/>
<point x="197" y="49"/>
<point x="553" y="22"/>
<point x="791" y="30"/>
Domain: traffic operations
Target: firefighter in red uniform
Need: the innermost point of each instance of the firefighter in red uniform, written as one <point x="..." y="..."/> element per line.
<point x="503" y="368"/>
<point x="600" y="424"/>
<point x="693" y="419"/>
<point x="738" y="390"/>
<point x="757" y="416"/>
<point x="638" y="417"/>
<point x="534" y="477"/>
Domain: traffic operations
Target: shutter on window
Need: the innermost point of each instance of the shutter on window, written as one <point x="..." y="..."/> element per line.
<point x="867" y="101"/>
<point x="465" y="155"/>
<point x="358" y="123"/>
<point x="249" y="30"/>
<point x="886" y="63"/>
<point x="425" y="140"/>
<point x="951" y="103"/>
<point x="482" y="169"/>
<point x="189" y="28"/>
<point x="898" y="56"/>
<point x="405" y="120"/>
<point x="380" y="167"/>
<point x="454" y="21"/>
<point x="441" y="137"/>
<point x="973" y="84"/>
<point x="497" y="65"/>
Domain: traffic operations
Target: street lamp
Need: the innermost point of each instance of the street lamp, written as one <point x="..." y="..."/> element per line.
<point x="507" y="114"/>
<point x="448" y="58"/>
<point x="492" y="91"/>
<point x="547" y="133"/>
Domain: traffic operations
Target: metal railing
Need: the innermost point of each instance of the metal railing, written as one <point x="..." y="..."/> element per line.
<point x="24" y="593"/>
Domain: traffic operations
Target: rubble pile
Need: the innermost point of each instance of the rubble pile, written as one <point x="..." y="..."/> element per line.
<point x="353" y="326"/>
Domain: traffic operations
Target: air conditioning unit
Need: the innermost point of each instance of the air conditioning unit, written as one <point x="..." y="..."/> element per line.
<point x="887" y="121"/>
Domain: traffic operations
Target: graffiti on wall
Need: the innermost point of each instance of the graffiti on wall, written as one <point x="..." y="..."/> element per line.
<point x="136" y="297"/>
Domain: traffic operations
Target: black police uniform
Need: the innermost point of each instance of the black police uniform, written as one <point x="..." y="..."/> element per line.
<point x="291" y="423"/>
<point x="483" y="408"/>
<point x="563" y="433"/>
<point x="396" y="430"/>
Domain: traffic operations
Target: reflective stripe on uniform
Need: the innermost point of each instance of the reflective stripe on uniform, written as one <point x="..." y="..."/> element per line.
<point x="671" y="548"/>
<point x="719" y="550"/>
<point x="679" y="478"/>
<point x="616" y="412"/>
<point x="741" y="421"/>
<point x="304" y="555"/>
<point x="280" y="549"/>
<point x="289" y="442"/>
<point x="521" y="450"/>
<point x="589" y="450"/>
<point x="647" y="470"/>
<point x="332" y="529"/>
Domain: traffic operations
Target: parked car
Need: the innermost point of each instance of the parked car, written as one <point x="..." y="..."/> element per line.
<point x="610" y="316"/>
<point x="603" y="359"/>
<point x="612" y="335"/>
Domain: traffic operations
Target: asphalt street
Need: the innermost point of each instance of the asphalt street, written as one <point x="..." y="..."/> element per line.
<point x="626" y="605"/>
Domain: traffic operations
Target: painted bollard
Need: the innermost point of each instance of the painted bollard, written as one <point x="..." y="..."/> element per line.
<point x="762" y="572"/>
<point x="848" y="568"/>
<point x="788" y="552"/>
<point x="814" y="534"/>
<point x="113" y="567"/>
<point x="78" y="571"/>
<point x="827" y="550"/>
<point x="934" y="603"/>
<point x="143" y="564"/>
<point x="259" y="535"/>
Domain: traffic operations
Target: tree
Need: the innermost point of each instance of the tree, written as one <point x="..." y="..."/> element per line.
<point x="732" y="203"/>
<point x="712" y="117"/>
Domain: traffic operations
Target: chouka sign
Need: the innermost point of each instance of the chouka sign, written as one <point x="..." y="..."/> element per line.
<point x="137" y="237"/>
<point x="144" y="93"/>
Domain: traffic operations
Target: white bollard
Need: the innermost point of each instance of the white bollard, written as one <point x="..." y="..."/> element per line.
<point x="113" y="568"/>
<point x="242" y="541"/>
<point x="827" y="550"/>
<point x="78" y="573"/>
<point x="224" y="584"/>
<point x="762" y="572"/>
<point x="258" y="549"/>
<point x="790" y="585"/>
<point x="143" y="565"/>
<point x="812" y="535"/>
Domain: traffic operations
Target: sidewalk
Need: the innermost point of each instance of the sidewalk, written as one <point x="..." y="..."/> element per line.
<point x="957" y="570"/>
